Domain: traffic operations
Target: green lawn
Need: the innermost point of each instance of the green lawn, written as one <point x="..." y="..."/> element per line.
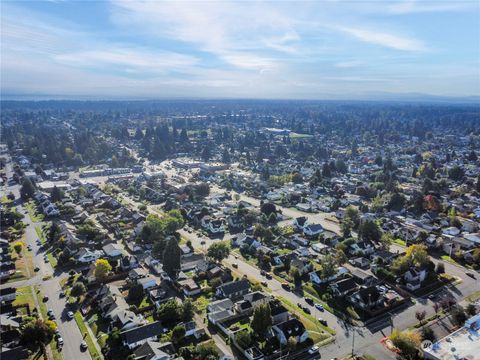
<point x="24" y="295"/>
<point x="201" y="304"/>
<point x="449" y="260"/>
<point x="88" y="339"/>
<point x="99" y="329"/>
<point x="23" y="263"/>
<point x="317" y="331"/>
<point x="51" y="258"/>
<point x="400" y="242"/>
<point x="32" y="211"/>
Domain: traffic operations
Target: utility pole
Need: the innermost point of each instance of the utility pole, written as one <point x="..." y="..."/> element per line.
<point x="353" y="342"/>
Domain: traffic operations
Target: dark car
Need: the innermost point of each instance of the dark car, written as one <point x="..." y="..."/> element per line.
<point x="300" y="305"/>
<point x="309" y="301"/>
<point x="263" y="272"/>
<point x="306" y="310"/>
<point x="470" y="274"/>
<point x="268" y="276"/>
<point x="286" y="286"/>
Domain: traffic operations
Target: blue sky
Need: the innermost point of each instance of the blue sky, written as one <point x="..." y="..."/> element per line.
<point x="275" y="49"/>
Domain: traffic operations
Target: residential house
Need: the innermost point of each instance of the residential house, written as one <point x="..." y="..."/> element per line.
<point x="312" y="230"/>
<point x="157" y="295"/>
<point x="279" y="312"/>
<point x="152" y="350"/>
<point x="235" y="224"/>
<point x="316" y="276"/>
<point x="343" y="287"/>
<point x="112" y="251"/>
<point x="290" y="328"/>
<point x="363" y="278"/>
<point x="140" y="335"/>
<point x="7" y="294"/>
<point x="85" y="256"/>
<point x="213" y="226"/>
<point x="189" y="287"/>
<point x="360" y="262"/>
<point x="414" y="278"/>
<point x="367" y="298"/>
<point x="233" y="289"/>
<point x="302" y="264"/>
<point x="7" y="270"/>
<point x="300" y="222"/>
<point x="361" y="248"/>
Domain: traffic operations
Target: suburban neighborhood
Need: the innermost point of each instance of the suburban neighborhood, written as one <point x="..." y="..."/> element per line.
<point x="240" y="232"/>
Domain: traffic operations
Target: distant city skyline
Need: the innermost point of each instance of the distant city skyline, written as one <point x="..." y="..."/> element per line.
<point x="217" y="49"/>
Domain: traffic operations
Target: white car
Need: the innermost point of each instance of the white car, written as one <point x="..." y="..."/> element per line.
<point x="319" y="307"/>
<point x="70" y="315"/>
<point x="313" y="350"/>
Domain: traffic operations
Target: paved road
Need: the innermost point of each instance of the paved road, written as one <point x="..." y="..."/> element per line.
<point x="50" y="288"/>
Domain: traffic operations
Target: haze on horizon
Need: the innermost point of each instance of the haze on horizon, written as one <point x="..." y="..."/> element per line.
<point x="309" y="49"/>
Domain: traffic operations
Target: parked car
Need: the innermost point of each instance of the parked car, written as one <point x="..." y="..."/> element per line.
<point x="319" y="307"/>
<point x="300" y="305"/>
<point x="70" y="315"/>
<point x="83" y="346"/>
<point x="309" y="301"/>
<point x="268" y="276"/>
<point x="235" y="265"/>
<point x="313" y="350"/>
<point x="322" y="321"/>
<point x="286" y="286"/>
<point x="60" y="341"/>
<point x="470" y="274"/>
<point x="263" y="272"/>
<point x="264" y="283"/>
<point x="306" y="310"/>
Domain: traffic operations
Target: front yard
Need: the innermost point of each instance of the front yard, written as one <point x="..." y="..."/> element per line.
<point x="86" y="335"/>
<point x="318" y="332"/>
<point x="33" y="213"/>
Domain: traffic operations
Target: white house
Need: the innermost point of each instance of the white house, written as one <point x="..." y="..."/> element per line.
<point x="85" y="256"/>
<point x="315" y="276"/>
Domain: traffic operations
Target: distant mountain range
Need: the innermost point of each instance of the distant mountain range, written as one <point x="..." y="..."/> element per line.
<point x="368" y="96"/>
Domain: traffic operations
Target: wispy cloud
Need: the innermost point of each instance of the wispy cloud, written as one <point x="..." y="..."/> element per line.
<point x="254" y="49"/>
<point x="384" y="39"/>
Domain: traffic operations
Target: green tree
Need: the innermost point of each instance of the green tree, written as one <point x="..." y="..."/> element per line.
<point x="458" y="315"/>
<point x="135" y="293"/>
<point x="178" y="333"/>
<point x="407" y="342"/>
<point x="37" y="333"/>
<point x="456" y="173"/>
<point x="171" y="257"/>
<point x="78" y="289"/>
<point x="329" y="266"/>
<point x="218" y="251"/>
<point x="471" y="310"/>
<point x="169" y="312"/>
<point x="27" y="190"/>
<point x="262" y="319"/>
<point x="18" y="247"/>
<point x="244" y="339"/>
<point x="352" y="214"/>
<point x="370" y="231"/>
<point x="57" y="194"/>
<point x="187" y="310"/>
<point x="291" y="344"/>
<point x="102" y="269"/>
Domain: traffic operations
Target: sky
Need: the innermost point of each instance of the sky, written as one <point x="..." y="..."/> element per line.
<point x="324" y="49"/>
